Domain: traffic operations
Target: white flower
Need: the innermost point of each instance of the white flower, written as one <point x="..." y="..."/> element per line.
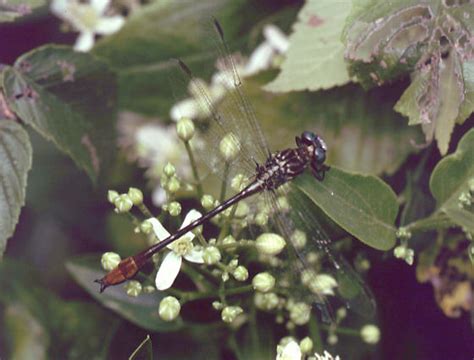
<point x="182" y="247"/>
<point x="88" y="19"/>
<point x="290" y="351"/>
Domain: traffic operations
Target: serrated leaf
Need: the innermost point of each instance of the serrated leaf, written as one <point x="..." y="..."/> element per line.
<point x="315" y="59"/>
<point x="452" y="177"/>
<point x="69" y="98"/>
<point x="142" y="310"/>
<point x="15" y="162"/>
<point x="362" y="205"/>
<point x="13" y="9"/>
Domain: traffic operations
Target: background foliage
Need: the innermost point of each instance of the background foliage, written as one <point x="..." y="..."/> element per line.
<point x="390" y="87"/>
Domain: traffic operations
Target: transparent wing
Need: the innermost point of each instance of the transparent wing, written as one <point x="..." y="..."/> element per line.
<point x="229" y="113"/>
<point x="317" y="263"/>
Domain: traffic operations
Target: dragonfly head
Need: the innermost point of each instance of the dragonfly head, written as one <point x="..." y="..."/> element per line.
<point x="316" y="146"/>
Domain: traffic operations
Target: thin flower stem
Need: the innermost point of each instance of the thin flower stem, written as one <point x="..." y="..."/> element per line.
<point x="134" y="219"/>
<point x="199" y="190"/>
<point x="225" y="228"/>
<point x="315" y="334"/>
<point x="342" y="330"/>
<point x="192" y="296"/>
<point x="206" y="274"/>
<point x="143" y="208"/>
<point x="436" y="221"/>
<point x="202" y="280"/>
<point x="224" y="182"/>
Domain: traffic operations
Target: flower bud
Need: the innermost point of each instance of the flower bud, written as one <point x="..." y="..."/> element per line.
<point x="300" y="313"/>
<point x="261" y="219"/>
<point x="332" y="339"/>
<point x="207" y="202"/>
<point x="169" y="308"/>
<point x="404" y="253"/>
<point x="306" y="345"/>
<point x="123" y="203"/>
<point x="238" y="182"/>
<point x="270" y="244"/>
<point x="146" y="227"/>
<point x="135" y="195"/>
<point x="321" y="284"/>
<point x="149" y="289"/>
<point x="110" y="260"/>
<point x="242" y="210"/>
<point x="266" y="301"/>
<point x="169" y="170"/>
<point x="263" y="282"/>
<point x="211" y="255"/>
<point x="133" y="288"/>
<point x="185" y="129"/>
<point x="229" y="147"/>
<point x="241" y="273"/>
<point x="370" y="334"/>
<point x="173" y="185"/>
<point x="229" y="239"/>
<point x="217" y="305"/>
<point x="174" y="208"/>
<point x="229" y="313"/>
<point x="298" y="239"/>
<point x="112" y="195"/>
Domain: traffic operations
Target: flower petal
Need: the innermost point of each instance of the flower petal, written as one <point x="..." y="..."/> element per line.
<point x="190" y="217"/>
<point x="109" y="25"/>
<point x="159" y="230"/>
<point x="100" y="5"/>
<point x="195" y="255"/>
<point x="168" y="271"/>
<point x="84" y="42"/>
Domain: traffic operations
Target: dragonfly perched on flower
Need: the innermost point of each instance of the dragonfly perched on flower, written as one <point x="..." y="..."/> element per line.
<point x="233" y="128"/>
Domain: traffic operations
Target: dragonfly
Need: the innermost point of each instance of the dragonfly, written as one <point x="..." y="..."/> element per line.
<point x="268" y="173"/>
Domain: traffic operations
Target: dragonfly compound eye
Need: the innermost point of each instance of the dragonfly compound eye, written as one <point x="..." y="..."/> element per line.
<point x="320" y="155"/>
<point x="308" y="137"/>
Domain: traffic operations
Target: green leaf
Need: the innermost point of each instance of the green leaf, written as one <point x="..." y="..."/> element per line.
<point x="69" y="98"/>
<point x="13" y="9"/>
<point x="155" y="34"/>
<point x="142" y="310"/>
<point x="315" y="59"/>
<point x="15" y="162"/>
<point x="364" y="206"/>
<point x="362" y="131"/>
<point x="62" y="329"/>
<point x="453" y="176"/>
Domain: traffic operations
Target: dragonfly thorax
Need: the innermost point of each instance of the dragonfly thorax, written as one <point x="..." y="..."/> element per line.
<point x="284" y="165"/>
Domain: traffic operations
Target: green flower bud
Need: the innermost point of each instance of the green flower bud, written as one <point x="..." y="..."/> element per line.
<point x="404" y="253"/>
<point x="298" y="239"/>
<point x="238" y="182"/>
<point x="110" y="261"/>
<point x="241" y="273"/>
<point x="169" y="308"/>
<point x="242" y="210"/>
<point x="207" y="202"/>
<point x="225" y="276"/>
<point x="229" y="147"/>
<point x="112" y="195"/>
<point x="185" y="129"/>
<point x="174" y="208"/>
<point x="341" y="313"/>
<point x="465" y="199"/>
<point x="135" y="195"/>
<point x="173" y="185"/>
<point x="300" y="313"/>
<point x="263" y="282"/>
<point x="211" y="255"/>
<point x="403" y="233"/>
<point x="217" y="305"/>
<point x="229" y="239"/>
<point x="332" y="339"/>
<point x="306" y="345"/>
<point x="270" y="244"/>
<point x="169" y="170"/>
<point x="133" y="288"/>
<point x="146" y="227"/>
<point x="229" y="313"/>
<point x="322" y="284"/>
<point x="123" y="203"/>
<point x="261" y="219"/>
<point x="149" y="289"/>
<point x="233" y="264"/>
<point x="266" y="301"/>
<point x="370" y="334"/>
